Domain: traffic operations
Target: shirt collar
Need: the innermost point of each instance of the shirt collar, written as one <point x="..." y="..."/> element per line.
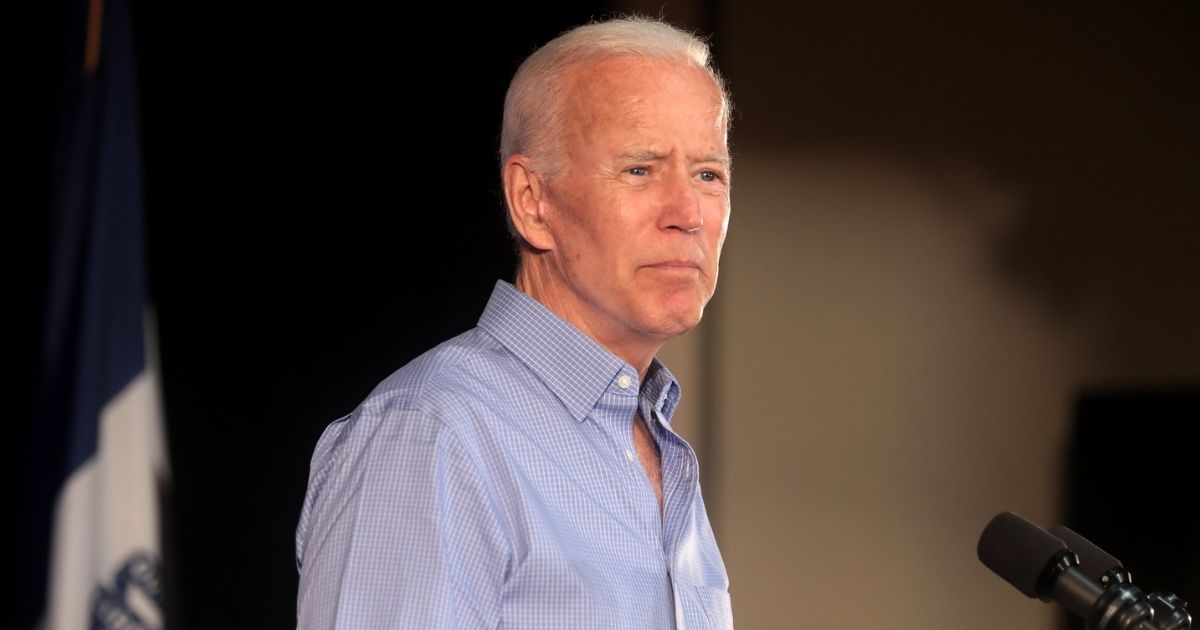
<point x="572" y="365"/>
<point x="661" y="389"/>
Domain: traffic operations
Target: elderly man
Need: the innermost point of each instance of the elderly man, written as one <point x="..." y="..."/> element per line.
<point x="525" y="474"/>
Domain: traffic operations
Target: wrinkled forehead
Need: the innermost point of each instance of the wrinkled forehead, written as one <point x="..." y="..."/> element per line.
<point x="623" y="85"/>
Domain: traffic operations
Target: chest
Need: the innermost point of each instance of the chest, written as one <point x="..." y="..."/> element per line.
<point x="597" y="536"/>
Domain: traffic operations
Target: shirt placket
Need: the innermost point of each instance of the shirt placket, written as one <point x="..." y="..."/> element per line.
<point x="616" y="422"/>
<point x="678" y="469"/>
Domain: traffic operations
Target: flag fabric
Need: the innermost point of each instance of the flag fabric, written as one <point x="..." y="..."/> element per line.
<point x="99" y="421"/>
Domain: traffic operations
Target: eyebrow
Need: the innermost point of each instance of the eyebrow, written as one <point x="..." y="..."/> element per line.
<point x="720" y="158"/>
<point x="653" y="156"/>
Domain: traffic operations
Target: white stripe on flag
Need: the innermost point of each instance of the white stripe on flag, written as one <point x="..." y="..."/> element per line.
<point x="106" y="558"/>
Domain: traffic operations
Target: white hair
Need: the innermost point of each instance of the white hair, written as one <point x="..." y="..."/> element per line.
<point x="533" y="106"/>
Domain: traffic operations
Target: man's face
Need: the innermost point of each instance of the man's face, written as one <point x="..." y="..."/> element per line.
<point x="640" y="206"/>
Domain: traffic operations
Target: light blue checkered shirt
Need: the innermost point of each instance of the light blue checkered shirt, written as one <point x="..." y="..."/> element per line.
<point x="493" y="482"/>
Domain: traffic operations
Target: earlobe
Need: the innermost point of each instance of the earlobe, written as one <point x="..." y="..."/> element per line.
<point x="524" y="191"/>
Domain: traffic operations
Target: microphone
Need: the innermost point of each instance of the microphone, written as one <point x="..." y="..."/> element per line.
<point x="1041" y="566"/>
<point x="1170" y="612"/>
<point x="1093" y="561"/>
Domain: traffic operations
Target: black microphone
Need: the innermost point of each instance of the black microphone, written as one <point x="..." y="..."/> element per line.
<point x="1170" y="612"/>
<point x="1041" y="566"/>
<point x="1093" y="561"/>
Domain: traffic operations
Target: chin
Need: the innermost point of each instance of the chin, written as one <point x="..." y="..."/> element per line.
<point x="667" y="314"/>
<point x="676" y="322"/>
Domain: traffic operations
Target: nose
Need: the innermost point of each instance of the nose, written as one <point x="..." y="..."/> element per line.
<point x="680" y="204"/>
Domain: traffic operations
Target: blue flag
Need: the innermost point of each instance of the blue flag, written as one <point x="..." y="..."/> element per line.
<point x="99" y="421"/>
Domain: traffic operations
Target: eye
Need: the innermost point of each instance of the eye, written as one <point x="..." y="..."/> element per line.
<point x="710" y="176"/>
<point x="639" y="171"/>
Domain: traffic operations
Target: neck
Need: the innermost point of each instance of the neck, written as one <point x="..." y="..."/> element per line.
<point x="539" y="282"/>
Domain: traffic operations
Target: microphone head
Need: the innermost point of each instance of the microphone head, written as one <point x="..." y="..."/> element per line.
<point x="1019" y="551"/>
<point x="1095" y="562"/>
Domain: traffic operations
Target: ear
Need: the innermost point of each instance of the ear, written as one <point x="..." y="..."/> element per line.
<point x="525" y="193"/>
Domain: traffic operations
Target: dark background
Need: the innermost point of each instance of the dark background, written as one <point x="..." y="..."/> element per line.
<point x="322" y="193"/>
<point x="322" y="203"/>
<point x="1131" y="485"/>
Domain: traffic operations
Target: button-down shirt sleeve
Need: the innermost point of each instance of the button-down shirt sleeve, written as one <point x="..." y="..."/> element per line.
<point x="413" y="539"/>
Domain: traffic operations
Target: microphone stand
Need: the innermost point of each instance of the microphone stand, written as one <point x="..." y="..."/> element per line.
<point x="1119" y="603"/>
<point x="1120" y="606"/>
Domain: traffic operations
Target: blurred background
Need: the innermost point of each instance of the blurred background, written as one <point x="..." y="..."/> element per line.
<point x="961" y="278"/>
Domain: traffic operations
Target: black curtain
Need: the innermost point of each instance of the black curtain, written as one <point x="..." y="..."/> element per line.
<point x="322" y="200"/>
<point x="1132" y="485"/>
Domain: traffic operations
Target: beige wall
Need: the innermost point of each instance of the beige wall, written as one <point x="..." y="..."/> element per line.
<point x="948" y="223"/>
<point x="885" y="390"/>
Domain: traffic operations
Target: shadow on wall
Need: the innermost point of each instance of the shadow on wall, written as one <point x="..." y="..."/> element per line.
<point x="887" y="388"/>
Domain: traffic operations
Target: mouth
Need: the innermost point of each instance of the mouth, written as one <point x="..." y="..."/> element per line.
<point x="675" y="265"/>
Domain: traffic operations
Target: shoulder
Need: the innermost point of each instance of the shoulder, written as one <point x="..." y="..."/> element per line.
<point x="452" y="379"/>
<point x="448" y="392"/>
<point x="430" y="414"/>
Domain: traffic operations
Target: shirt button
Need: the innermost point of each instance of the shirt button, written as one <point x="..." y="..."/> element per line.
<point x="623" y="381"/>
<point x="628" y="454"/>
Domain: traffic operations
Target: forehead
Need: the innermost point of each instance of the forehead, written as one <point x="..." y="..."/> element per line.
<point x="631" y="87"/>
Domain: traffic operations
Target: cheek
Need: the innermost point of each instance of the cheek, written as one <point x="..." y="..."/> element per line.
<point x="716" y="238"/>
<point x="590" y="258"/>
<point x="721" y="225"/>
<point x="576" y="239"/>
